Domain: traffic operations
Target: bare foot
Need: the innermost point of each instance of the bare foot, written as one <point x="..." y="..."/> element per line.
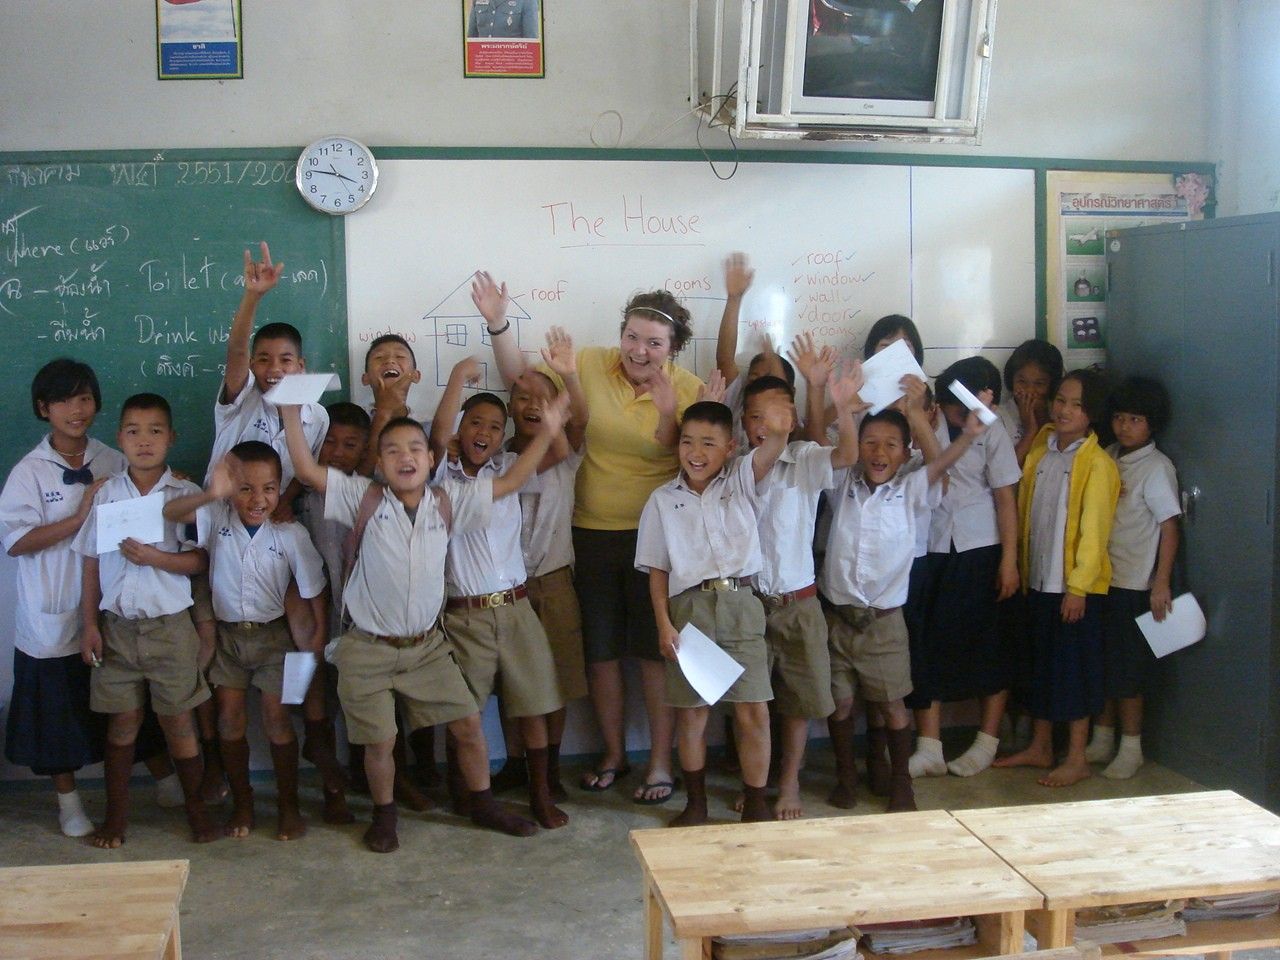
<point x="788" y="806"/>
<point x="1066" y="774"/>
<point x="240" y="822"/>
<point x="1030" y="757"/>
<point x="106" y="838"/>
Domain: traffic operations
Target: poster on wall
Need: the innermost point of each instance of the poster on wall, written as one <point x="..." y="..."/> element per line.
<point x="1082" y="207"/>
<point x="502" y="38"/>
<point x="199" y="40"/>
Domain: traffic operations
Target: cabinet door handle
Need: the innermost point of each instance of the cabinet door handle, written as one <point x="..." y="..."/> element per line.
<point x="1189" y="497"/>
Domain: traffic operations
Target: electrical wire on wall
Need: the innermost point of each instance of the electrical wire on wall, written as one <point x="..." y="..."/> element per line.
<point x="715" y="105"/>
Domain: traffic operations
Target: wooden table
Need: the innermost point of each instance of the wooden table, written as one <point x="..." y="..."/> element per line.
<point x="1111" y="852"/>
<point x="804" y="874"/>
<point x="98" y="911"/>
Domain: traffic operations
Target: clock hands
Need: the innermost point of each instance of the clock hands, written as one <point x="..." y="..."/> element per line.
<point x="341" y="176"/>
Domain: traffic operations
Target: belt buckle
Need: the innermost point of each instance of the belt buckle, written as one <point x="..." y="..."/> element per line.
<point x="496" y="599"/>
<point x="720" y="584"/>
<point x="773" y="600"/>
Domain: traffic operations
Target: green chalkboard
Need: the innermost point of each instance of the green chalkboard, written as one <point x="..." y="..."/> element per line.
<point x="134" y="265"/>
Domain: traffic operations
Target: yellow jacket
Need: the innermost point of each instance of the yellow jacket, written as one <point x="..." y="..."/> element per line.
<point x="1091" y="507"/>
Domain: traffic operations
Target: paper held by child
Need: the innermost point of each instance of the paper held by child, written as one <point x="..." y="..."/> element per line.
<point x="299" y="388"/>
<point x="883" y="374"/>
<point x="965" y="396"/>
<point x="140" y="519"/>
<point x="1183" y="626"/>
<point x="299" y="668"/>
<point x="709" y="670"/>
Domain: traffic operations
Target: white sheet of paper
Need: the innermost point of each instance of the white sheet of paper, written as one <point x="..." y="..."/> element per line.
<point x="883" y="373"/>
<point x="1184" y="626"/>
<point x="299" y="668"/>
<point x="302" y="388"/>
<point x="965" y="396"/>
<point x="141" y="518"/>
<point x="709" y="670"/>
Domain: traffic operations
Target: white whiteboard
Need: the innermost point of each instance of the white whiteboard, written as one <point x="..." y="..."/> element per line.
<point x="834" y="246"/>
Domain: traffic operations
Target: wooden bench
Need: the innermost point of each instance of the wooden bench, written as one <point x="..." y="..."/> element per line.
<point x="1113" y="852"/>
<point x="98" y="911"/>
<point x="805" y="874"/>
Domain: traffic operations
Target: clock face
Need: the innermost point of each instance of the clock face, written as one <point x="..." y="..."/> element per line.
<point x="337" y="175"/>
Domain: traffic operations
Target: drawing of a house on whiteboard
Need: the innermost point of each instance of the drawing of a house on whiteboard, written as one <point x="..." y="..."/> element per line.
<point x="458" y="331"/>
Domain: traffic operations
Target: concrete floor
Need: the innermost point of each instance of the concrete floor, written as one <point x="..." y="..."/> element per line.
<point x="451" y="891"/>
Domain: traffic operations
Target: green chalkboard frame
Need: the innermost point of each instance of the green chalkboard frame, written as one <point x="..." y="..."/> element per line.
<point x="183" y="215"/>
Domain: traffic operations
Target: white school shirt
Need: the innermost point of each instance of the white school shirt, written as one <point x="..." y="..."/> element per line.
<point x="327" y="536"/>
<point x="966" y="515"/>
<point x="250" y="574"/>
<point x="487" y="559"/>
<point x="873" y="538"/>
<point x="397" y="586"/>
<point x="925" y="508"/>
<point x="47" y="612"/>
<point x="546" y="515"/>
<point x="1047" y="543"/>
<point x="702" y="537"/>
<point x="788" y="511"/>
<point x="1011" y="418"/>
<point x="130" y="590"/>
<point x="249" y="416"/>
<point x="1148" y="497"/>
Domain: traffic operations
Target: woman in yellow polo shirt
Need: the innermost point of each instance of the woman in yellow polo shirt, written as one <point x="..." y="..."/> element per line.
<point x="636" y="395"/>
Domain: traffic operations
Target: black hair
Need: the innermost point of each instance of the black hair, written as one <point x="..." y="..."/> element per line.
<point x="660" y="305"/>
<point x="1144" y="397"/>
<point x="63" y="379"/>
<point x="887" y="415"/>
<point x="255" y="451"/>
<point x="788" y="370"/>
<point x="1093" y="394"/>
<point x="976" y="373"/>
<point x="478" y="398"/>
<point x="1044" y="355"/>
<point x="534" y="372"/>
<point x="147" y="401"/>
<point x="709" y="411"/>
<point x="888" y="326"/>
<point x="389" y="338"/>
<point x="397" y="423"/>
<point x="764" y="384"/>
<point x="279" y="331"/>
<point x="344" y="414"/>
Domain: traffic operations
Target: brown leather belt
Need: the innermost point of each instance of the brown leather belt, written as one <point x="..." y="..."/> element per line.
<point x="487" y="601"/>
<point x="776" y="601"/>
<point x="400" y="643"/>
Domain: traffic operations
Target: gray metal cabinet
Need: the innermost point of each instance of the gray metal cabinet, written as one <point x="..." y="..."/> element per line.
<point x="1195" y="306"/>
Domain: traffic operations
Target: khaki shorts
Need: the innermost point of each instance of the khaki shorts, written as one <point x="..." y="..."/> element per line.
<point x="157" y="652"/>
<point x="506" y="644"/>
<point x="556" y="603"/>
<point x="799" y="661"/>
<point x="372" y="674"/>
<point x="251" y="654"/>
<point x="869" y="653"/>
<point x="201" y="599"/>
<point x="734" y="619"/>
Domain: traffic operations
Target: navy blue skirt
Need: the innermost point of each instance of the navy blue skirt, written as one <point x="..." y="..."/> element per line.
<point x="1067" y="662"/>
<point x="51" y="728"/>
<point x="956" y="652"/>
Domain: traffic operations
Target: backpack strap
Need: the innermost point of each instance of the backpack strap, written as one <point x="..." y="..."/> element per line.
<point x="351" y="542"/>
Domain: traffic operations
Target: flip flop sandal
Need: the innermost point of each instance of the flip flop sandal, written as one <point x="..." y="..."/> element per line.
<point x="668" y="785"/>
<point x="614" y="775"/>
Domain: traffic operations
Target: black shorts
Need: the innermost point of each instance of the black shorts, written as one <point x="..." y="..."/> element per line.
<point x="617" y="615"/>
<point x="1129" y="659"/>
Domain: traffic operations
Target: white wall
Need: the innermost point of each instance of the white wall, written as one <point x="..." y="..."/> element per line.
<point x="1070" y="78"/>
<point x="1143" y="79"/>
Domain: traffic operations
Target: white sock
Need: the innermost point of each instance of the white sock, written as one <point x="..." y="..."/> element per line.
<point x="927" y="760"/>
<point x="169" y="791"/>
<point x="1128" y="759"/>
<point x="71" y="815"/>
<point x="1101" y="744"/>
<point x="977" y="758"/>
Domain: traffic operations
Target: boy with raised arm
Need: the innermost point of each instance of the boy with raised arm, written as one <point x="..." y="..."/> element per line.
<point x="394" y="593"/>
